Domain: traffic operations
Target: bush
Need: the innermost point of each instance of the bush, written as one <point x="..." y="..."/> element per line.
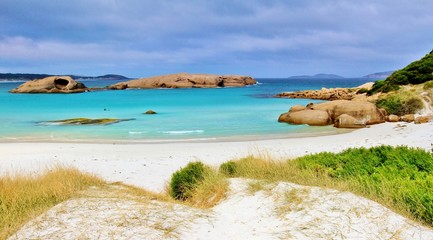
<point x="228" y="168"/>
<point x="400" y="104"/>
<point x="428" y="85"/>
<point x="186" y="179"/>
<point x="401" y="174"/>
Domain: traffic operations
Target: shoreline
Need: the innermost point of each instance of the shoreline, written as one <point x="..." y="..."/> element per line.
<point x="150" y="166"/>
<point x="244" y="138"/>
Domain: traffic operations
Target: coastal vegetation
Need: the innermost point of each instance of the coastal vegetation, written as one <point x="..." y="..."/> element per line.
<point x="24" y="197"/>
<point x="400" y="178"/>
<point x="417" y="72"/>
<point x="400" y="102"/>
<point x="199" y="185"/>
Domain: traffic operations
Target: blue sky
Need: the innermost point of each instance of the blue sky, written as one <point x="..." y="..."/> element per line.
<point x="274" y="38"/>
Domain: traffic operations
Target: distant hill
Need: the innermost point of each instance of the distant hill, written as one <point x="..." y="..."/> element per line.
<point x="317" y="76"/>
<point x="31" y="76"/>
<point x="379" y="75"/>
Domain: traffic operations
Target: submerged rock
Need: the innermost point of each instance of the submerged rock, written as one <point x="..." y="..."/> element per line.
<point x="186" y="80"/>
<point x="54" y="84"/>
<point x="85" y="121"/>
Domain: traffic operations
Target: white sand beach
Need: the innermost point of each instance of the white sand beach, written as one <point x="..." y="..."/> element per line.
<point x="150" y="165"/>
<point x="327" y="214"/>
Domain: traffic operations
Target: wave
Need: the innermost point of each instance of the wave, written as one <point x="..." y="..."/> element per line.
<point x="136" y="133"/>
<point x="12" y="81"/>
<point x="183" y="132"/>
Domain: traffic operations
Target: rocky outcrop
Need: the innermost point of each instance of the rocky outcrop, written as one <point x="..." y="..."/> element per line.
<point x="185" y="80"/>
<point x="347" y="121"/>
<point x="341" y="113"/>
<point x="392" y="118"/>
<point x="407" y="118"/>
<point x="423" y="119"/>
<point x="53" y="84"/>
<point x="364" y="111"/>
<point x="329" y="93"/>
<point x="310" y="117"/>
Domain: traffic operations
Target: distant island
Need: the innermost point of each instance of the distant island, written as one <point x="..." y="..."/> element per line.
<point x="379" y="75"/>
<point x="317" y="76"/>
<point x="31" y="76"/>
<point x="373" y="76"/>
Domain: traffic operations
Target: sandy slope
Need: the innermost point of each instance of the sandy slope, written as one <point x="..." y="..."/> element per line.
<point x="278" y="211"/>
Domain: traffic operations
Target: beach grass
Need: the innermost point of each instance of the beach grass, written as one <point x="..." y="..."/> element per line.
<point x="23" y="197"/>
<point x="399" y="178"/>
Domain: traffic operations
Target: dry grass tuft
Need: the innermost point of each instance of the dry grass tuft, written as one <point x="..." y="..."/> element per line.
<point x="23" y="197"/>
<point x="210" y="191"/>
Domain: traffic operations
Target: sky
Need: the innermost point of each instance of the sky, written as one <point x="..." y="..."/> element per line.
<point x="259" y="38"/>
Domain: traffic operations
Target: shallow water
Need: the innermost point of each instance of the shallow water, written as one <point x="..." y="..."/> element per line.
<point x="183" y="114"/>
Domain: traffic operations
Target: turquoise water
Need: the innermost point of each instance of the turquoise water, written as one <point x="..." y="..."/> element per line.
<point x="183" y="114"/>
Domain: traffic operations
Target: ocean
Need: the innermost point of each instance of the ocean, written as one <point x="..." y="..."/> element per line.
<point x="213" y="114"/>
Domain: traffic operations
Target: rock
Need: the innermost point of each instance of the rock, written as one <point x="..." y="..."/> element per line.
<point x="297" y="108"/>
<point x="423" y="119"/>
<point x="54" y="84"/>
<point x="407" y="118"/>
<point x="392" y="118"/>
<point x="363" y="111"/>
<point x="150" y="112"/>
<point x="185" y="80"/>
<point x="310" y="117"/>
<point x="85" y="121"/>
<point x="347" y="121"/>
<point x="323" y="94"/>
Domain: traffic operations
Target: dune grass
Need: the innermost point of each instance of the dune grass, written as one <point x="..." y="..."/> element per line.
<point x="198" y="185"/>
<point x="24" y="197"/>
<point x="400" y="178"/>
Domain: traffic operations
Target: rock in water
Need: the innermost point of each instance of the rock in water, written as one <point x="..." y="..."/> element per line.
<point x="186" y="80"/>
<point x="54" y="84"/>
<point x="150" y="112"/>
<point x="85" y="121"/>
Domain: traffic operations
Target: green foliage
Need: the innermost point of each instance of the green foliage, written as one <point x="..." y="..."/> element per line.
<point x="382" y="86"/>
<point x="186" y="179"/>
<point x="228" y="168"/>
<point x="400" y="103"/>
<point x="403" y="174"/>
<point x="416" y="72"/>
<point x="428" y="85"/>
<point x="362" y="90"/>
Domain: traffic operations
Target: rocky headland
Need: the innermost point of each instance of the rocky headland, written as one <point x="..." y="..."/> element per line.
<point x="66" y="84"/>
<point x="53" y="84"/>
<point x="186" y="80"/>
<point x="329" y="94"/>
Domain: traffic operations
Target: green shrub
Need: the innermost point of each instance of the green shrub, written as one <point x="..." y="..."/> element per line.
<point x="186" y="179"/>
<point x="402" y="174"/>
<point x="428" y="85"/>
<point x="400" y="104"/>
<point x="228" y="168"/>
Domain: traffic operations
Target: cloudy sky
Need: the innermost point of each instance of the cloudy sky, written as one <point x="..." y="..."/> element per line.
<point x="268" y="38"/>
